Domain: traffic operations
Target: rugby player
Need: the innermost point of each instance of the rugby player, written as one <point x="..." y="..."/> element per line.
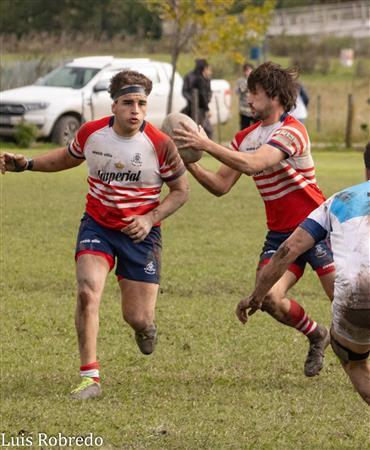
<point x="275" y="151"/>
<point x="346" y="217"/>
<point x="128" y="161"/>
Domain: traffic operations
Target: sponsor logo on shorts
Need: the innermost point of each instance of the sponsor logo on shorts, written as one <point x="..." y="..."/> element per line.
<point x="150" y="268"/>
<point x="90" y="241"/>
<point x="320" y="251"/>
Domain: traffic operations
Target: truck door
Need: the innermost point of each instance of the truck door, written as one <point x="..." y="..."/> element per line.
<point x="157" y="100"/>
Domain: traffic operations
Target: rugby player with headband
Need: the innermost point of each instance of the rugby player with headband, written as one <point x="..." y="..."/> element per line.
<point x="128" y="161"/>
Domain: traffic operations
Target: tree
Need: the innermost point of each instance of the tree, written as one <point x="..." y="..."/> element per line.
<point x="211" y="26"/>
<point x="89" y="16"/>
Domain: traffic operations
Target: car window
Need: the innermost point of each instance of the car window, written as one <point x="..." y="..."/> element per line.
<point x="66" y="76"/>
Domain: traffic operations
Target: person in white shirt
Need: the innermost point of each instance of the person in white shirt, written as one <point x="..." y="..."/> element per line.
<point x="300" y="111"/>
<point x="346" y="217"/>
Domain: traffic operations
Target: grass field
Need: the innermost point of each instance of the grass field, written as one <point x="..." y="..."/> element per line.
<point x="212" y="383"/>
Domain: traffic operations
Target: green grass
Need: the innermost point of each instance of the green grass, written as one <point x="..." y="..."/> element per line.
<point x="212" y="383"/>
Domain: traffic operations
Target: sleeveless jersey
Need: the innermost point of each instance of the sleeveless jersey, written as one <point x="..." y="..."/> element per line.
<point x="125" y="174"/>
<point x="289" y="188"/>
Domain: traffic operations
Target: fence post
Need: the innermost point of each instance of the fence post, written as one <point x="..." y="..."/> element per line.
<point x="318" y="114"/>
<point x="219" y="137"/>
<point x="349" y="124"/>
<point x="195" y="105"/>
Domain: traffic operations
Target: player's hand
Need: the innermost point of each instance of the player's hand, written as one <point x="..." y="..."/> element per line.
<point x="187" y="137"/>
<point x="10" y="162"/>
<point x="251" y="303"/>
<point x="137" y="227"/>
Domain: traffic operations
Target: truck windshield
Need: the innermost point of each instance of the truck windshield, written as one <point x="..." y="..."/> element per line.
<point x="67" y="76"/>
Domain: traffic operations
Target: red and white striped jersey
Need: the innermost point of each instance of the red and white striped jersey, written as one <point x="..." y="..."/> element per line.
<point x="125" y="174"/>
<point x="289" y="188"/>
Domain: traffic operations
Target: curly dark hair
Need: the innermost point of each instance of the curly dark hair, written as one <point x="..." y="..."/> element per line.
<point x="276" y="82"/>
<point x="127" y="78"/>
<point x="367" y="156"/>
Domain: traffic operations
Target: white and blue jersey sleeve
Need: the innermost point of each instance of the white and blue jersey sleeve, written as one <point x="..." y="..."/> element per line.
<point x="346" y="216"/>
<point x="318" y="223"/>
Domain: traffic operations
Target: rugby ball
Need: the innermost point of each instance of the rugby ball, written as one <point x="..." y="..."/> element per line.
<point x="171" y="122"/>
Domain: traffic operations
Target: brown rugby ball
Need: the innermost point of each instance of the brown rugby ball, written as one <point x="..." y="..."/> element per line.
<point x="171" y="122"/>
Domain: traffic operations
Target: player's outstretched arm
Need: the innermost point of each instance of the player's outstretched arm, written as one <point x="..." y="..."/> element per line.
<point x="217" y="183"/>
<point x="138" y="227"/>
<point x="53" y="161"/>
<point x="299" y="242"/>
<point x="248" y="163"/>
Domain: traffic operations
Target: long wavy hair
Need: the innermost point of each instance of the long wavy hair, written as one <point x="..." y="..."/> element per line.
<point x="276" y="82"/>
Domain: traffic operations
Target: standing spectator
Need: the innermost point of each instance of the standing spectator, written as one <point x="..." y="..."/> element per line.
<point x="241" y="89"/>
<point x="300" y="110"/>
<point x="200" y="79"/>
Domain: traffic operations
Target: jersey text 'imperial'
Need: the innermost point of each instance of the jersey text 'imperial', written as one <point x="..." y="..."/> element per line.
<point x="125" y="174"/>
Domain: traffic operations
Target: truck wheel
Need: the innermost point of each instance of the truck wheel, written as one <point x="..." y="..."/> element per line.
<point x="64" y="130"/>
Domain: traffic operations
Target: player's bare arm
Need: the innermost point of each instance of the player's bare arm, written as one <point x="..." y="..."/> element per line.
<point x="299" y="242"/>
<point x="138" y="227"/>
<point x="218" y="183"/>
<point x="266" y="156"/>
<point x="53" y="161"/>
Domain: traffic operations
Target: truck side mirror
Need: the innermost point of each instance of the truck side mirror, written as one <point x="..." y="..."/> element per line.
<point x="101" y="85"/>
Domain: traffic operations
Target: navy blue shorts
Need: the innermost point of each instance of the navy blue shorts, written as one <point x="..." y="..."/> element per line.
<point x="319" y="257"/>
<point x="138" y="262"/>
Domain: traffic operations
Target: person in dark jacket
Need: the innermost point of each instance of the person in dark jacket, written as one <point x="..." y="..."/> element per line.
<point x="199" y="79"/>
<point x="241" y="89"/>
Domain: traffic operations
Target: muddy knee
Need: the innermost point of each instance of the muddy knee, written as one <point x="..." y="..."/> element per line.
<point x="138" y="322"/>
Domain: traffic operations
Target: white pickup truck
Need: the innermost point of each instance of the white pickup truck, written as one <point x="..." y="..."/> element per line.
<point x="77" y="91"/>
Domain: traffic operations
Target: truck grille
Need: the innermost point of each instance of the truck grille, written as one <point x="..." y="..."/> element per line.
<point x="12" y="109"/>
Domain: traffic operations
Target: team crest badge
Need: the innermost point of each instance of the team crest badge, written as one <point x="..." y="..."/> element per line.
<point x="320" y="251"/>
<point x="137" y="160"/>
<point x="119" y="165"/>
<point x="150" y="268"/>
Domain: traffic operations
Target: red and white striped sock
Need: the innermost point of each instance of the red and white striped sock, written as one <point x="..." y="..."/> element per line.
<point x="298" y="319"/>
<point x="91" y="370"/>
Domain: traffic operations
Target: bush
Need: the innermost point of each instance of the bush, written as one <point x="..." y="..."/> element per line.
<point x="362" y="69"/>
<point x="25" y="135"/>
